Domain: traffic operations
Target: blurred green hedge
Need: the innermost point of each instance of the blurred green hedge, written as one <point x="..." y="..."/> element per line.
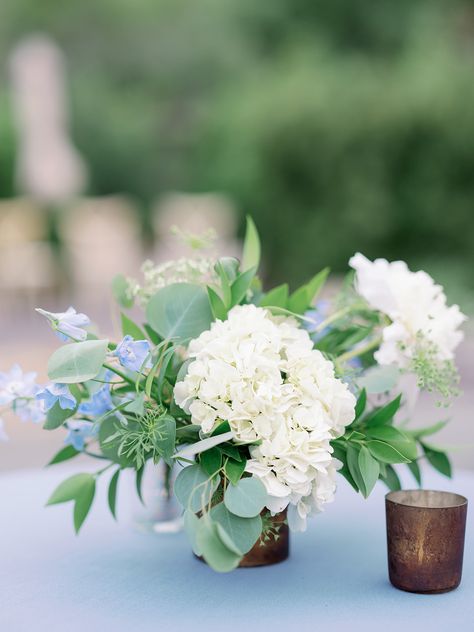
<point x="341" y="126"/>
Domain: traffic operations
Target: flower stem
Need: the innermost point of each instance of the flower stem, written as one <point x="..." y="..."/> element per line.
<point x="336" y="316"/>
<point x="358" y="351"/>
<point x="119" y="373"/>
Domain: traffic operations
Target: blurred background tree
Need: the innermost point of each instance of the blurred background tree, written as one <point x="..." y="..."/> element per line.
<point x="341" y="126"/>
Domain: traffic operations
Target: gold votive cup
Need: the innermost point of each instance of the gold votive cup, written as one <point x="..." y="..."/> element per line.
<point x="425" y="539"/>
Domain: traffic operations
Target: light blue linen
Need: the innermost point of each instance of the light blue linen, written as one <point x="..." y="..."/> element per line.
<point x="116" y="579"/>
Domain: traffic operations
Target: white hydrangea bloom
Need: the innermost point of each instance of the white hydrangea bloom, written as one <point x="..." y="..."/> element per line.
<point x="261" y="374"/>
<point x="415" y="305"/>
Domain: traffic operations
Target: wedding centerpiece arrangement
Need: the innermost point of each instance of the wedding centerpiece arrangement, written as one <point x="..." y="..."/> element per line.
<point x="260" y="398"/>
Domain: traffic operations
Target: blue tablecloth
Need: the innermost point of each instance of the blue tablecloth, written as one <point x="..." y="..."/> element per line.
<point x="115" y="578"/>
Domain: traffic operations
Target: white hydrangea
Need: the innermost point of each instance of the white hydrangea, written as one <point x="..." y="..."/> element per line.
<point x="261" y="374"/>
<point x="415" y="305"/>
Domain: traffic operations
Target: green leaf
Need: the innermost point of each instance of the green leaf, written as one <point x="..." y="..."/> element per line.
<point x="369" y="469"/>
<point x="361" y="404"/>
<point x="129" y="328"/>
<point x="247" y="498"/>
<point x="194" y="488"/>
<point x="225" y="284"/>
<point x="425" y="432"/>
<point x="234" y="470"/>
<point x="180" y="312"/>
<point x="348" y="476"/>
<point x="191" y="526"/>
<point x="138" y="483"/>
<point x="277" y="297"/>
<point x="165" y="437"/>
<point x="385" y="414"/>
<point x="354" y="469"/>
<point x="214" y="551"/>
<point x="241" y="285"/>
<point x="251" y="251"/>
<point x="415" y="470"/>
<point x="385" y="452"/>
<point x="230" y="265"/>
<point x="112" y="493"/>
<point x="120" y="291"/>
<point x="56" y="416"/>
<point x="69" y="452"/>
<point x="438" y="459"/>
<point x="405" y="444"/>
<point x="77" y="361"/>
<point x="240" y="533"/>
<point x="83" y="504"/>
<point x="390" y="478"/>
<point x="211" y="460"/>
<point x="314" y="287"/>
<point x="232" y="451"/>
<point x="70" y="489"/>
<point x="137" y="405"/>
<point x="217" y="304"/>
<point x="298" y="301"/>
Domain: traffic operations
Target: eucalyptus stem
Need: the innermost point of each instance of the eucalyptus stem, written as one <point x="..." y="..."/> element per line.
<point x="358" y="351"/>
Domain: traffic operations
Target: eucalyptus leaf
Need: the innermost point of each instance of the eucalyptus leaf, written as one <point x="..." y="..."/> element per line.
<point x="77" y="361"/>
<point x="247" y="498"/>
<point x="191" y="526"/>
<point x="194" y="488"/>
<point x="242" y="532"/>
<point x="214" y="551"/>
<point x="179" y="312"/>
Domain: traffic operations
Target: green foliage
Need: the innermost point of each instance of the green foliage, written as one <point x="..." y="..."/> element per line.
<point x="241" y="285"/>
<point x="66" y="453"/>
<point x="234" y="470"/>
<point x="213" y="549"/>
<point x="433" y="374"/>
<point x="251" y="252"/>
<point x="77" y="361"/>
<point x="247" y="498"/>
<point x="211" y="461"/>
<point x="194" y="488"/>
<point x="112" y="493"/>
<point x="79" y="488"/>
<point x="129" y="328"/>
<point x="179" y="312"/>
<point x="56" y="416"/>
<point x="239" y="534"/>
<point x="438" y="459"/>
<point x="121" y="291"/>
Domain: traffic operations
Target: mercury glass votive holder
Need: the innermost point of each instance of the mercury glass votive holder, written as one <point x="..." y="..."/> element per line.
<point x="425" y="539"/>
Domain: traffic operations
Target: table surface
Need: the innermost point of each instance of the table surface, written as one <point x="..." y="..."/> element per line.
<point x="114" y="577"/>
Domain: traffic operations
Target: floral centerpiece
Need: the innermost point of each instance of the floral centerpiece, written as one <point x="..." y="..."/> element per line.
<point x="262" y="399"/>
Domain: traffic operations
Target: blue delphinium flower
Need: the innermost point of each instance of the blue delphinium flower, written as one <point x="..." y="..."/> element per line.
<point x="132" y="354"/>
<point x="18" y="390"/>
<point x="57" y="393"/>
<point x="99" y="403"/>
<point x="67" y="325"/>
<point x="79" y="431"/>
<point x="14" y="384"/>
